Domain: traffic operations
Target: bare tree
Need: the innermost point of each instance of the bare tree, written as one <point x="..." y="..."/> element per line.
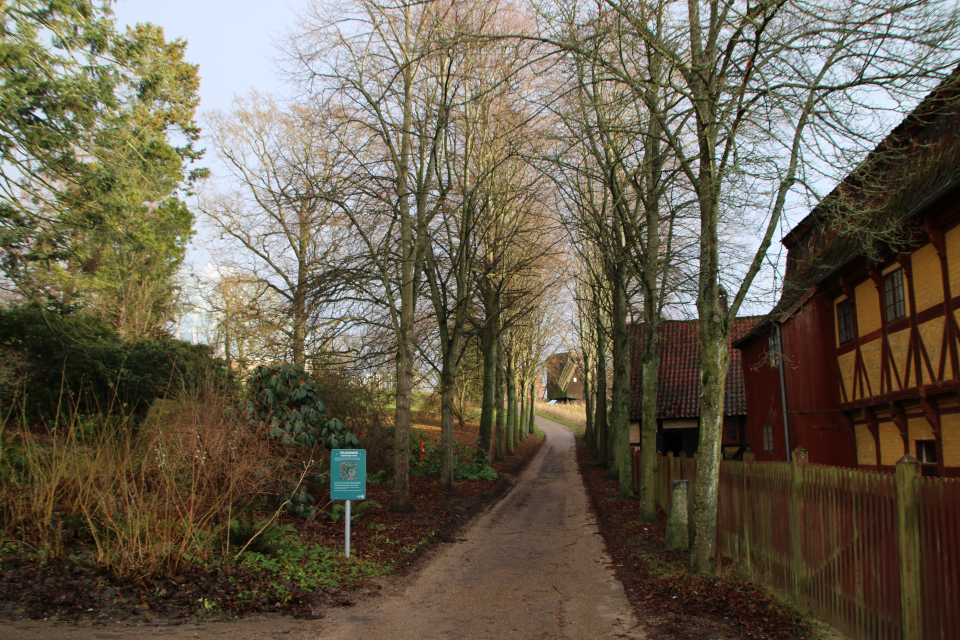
<point x="637" y="231"/>
<point x="279" y="226"/>
<point x="245" y="317"/>
<point x="477" y="146"/>
<point x="388" y="70"/>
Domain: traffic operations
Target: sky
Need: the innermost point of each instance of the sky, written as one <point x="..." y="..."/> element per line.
<point x="232" y="40"/>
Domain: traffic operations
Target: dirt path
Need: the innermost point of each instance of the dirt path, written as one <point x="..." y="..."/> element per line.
<point x="532" y="567"/>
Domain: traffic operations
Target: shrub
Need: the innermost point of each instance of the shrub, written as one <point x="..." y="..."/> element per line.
<point x="360" y="406"/>
<point x="260" y="537"/>
<point x="151" y="507"/>
<point x="357" y="510"/>
<point x="75" y="364"/>
<point x="284" y="397"/>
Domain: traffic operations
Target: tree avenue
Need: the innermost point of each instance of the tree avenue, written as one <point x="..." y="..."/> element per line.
<point x="459" y="189"/>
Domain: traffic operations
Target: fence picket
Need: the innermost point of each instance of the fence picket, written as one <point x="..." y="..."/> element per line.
<point x="838" y="551"/>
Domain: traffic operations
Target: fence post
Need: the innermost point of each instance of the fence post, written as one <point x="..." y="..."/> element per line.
<point x="799" y="461"/>
<point x="908" y="472"/>
<point x="678" y="521"/>
<point x="671" y="474"/>
<point x="748" y="458"/>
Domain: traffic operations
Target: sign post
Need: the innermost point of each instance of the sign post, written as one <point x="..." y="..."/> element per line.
<point x="348" y="481"/>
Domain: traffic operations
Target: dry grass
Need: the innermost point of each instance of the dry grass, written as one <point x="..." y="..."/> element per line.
<point x="571" y="415"/>
<point x="150" y="507"/>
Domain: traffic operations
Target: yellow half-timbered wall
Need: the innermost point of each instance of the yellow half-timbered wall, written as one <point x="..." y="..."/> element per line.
<point x="879" y="368"/>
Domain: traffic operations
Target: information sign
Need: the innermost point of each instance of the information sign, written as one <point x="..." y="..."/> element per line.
<point x="348" y="474"/>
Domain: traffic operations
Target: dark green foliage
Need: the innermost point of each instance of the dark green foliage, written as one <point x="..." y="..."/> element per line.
<point x="467" y="464"/>
<point x="97" y="140"/>
<point x="300" y="504"/>
<point x="75" y="363"/>
<point x="285" y="397"/>
<point x="334" y="435"/>
<point x="261" y="537"/>
<point x="379" y="477"/>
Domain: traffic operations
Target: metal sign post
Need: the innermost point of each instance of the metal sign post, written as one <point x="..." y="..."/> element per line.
<point x="348" y="481"/>
<point x="346" y="538"/>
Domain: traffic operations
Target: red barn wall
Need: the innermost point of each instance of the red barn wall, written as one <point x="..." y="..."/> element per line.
<point x="763" y="399"/>
<point x="811" y="377"/>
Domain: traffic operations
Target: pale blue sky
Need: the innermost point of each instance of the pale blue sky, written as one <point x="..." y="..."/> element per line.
<point x="231" y="40"/>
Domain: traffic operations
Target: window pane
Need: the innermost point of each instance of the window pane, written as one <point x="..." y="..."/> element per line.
<point x="731" y="431"/>
<point x="845" y="321"/>
<point x="893" y="294"/>
<point x="768" y="437"/>
<point x="927" y="451"/>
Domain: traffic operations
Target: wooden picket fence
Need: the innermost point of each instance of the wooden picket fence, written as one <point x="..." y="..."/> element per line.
<point x="875" y="555"/>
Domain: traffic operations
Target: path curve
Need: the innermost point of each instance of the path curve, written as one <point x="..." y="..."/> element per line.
<point x="531" y="567"/>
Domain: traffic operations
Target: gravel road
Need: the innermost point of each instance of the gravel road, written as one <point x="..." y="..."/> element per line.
<point x="531" y="567"/>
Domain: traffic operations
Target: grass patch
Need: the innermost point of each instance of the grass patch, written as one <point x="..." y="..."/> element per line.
<point x="570" y="415"/>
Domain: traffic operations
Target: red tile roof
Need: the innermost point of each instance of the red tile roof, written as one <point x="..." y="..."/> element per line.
<point x="679" y="395"/>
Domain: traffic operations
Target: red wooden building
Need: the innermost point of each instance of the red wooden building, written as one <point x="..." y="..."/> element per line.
<point x="678" y="400"/>
<point x="858" y="364"/>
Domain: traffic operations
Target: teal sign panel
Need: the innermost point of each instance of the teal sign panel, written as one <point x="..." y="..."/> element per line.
<point x="348" y="474"/>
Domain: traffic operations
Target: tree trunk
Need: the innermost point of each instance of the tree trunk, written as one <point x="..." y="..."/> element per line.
<point x="531" y="423"/>
<point x="299" y="320"/>
<point x="226" y="342"/>
<point x="611" y="427"/>
<point x="713" y="323"/>
<point x="589" y="437"/>
<point x="600" y="422"/>
<point x="713" y="374"/>
<point x="490" y="343"/>
<point x="521" y="409"/>
<point x="513" y="416"/>
<point x="400" y="498"/>
<point x="620" y="422"/>
<point x="503" y="445"/>
<point x="447" y="400"/>
<point x="653" y="294"/>
<point x="648" y="425"/>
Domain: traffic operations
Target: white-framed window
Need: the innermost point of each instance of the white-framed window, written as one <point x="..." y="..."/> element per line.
<point x="768" y="437"/>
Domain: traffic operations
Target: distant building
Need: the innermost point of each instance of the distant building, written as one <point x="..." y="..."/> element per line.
<point x="678" y="400"/>
<point x="564" y="378"/>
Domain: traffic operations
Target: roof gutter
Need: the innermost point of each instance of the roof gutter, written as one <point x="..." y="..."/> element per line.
<point x="783" y="387"/>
